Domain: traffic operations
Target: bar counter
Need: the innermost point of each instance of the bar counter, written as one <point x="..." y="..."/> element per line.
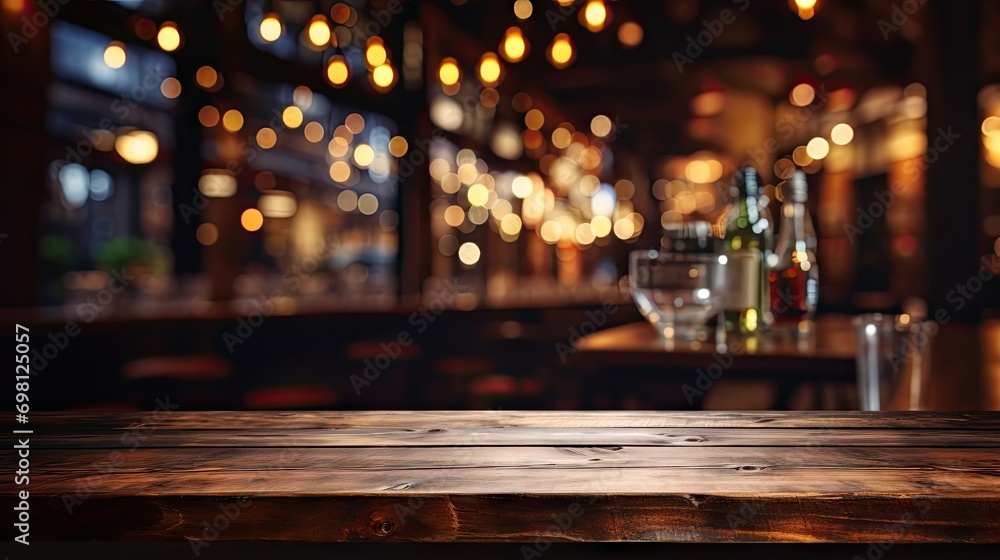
<point x="504" y="476"/>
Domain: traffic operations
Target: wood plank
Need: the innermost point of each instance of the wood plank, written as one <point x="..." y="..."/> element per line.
<point x="86" y="438"/>
<point x="535" y="520"/>
<point x="65" y="422"/>
<point x="733" y="471"/>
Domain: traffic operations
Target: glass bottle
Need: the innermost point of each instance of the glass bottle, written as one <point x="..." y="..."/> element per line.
<point x="794" y="274"/>
<point x="745" y="301"/>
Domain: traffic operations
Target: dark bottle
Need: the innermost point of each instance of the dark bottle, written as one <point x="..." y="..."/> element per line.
<point x="745" y="301"/>
<point x="794" y="275"/>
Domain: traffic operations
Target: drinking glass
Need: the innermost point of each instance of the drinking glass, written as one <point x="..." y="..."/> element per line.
<point x="893" y="361"/>
<point x="678" y="293"/>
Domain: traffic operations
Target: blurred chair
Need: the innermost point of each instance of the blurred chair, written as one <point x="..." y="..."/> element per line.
<point x="192" y="382"/>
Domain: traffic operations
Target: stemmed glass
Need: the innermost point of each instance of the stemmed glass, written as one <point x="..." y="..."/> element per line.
<point x="678" y="293"/>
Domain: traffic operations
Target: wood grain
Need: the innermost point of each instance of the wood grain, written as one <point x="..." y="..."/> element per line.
<point x="65" y="422"/>
<point x="516" y="476"/>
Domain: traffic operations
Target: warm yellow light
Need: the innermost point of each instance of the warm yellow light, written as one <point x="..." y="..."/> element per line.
<point x="630" y="34"/>
<point x="340" y="171"/>
<point x="207" y="77"/>
<point x="624" y="229"/>
<point x="800" y="157"/>
<point x="137" y="146"/>
<point x="449" y="73"/>
<point x="991" y="126"/>
<point x="270" y="28"/>
<point x="398" y="146"/>
<point x="469" y="253"/>
<point x="523" y="9"/>
<point x="510" y="224"/>
<point x="534" y="119"/>
<point x="114" y="54"/>
<point x="169" y="38"/>
<point x="698" y="171"/>
<point x="842" y="134"/>
<point x="489" y="69"/>
<point x="319" y="31"/>
<point x="252" y="219"/>
<point x="364" y="155"/>
<point x="802" y="95"/>
<point x="595" y="15"/>
<point x="522" y="186"/>
<point x="550" y="232"/>
<point x="170" y="88"/>
<point x="313" y="132"/>
<point x="375" y="53"/>
<point x="383" y="76"/>
<point x="337" y="71"/>
<point x="600" y="126"/>
<point x="561" y="51"/>
<point x="513" y="47"/>
<point x="367" y="204"/>
<point x="818" y="148"/>
<point x="478" y="195"/>
<point x="584" y="234"/>
<point x="232" y="120"/>
<point x="601" y="226"/>
<point x="266" y="138"/>
<point x="292" y="116"/>
<point x="805" y="4"/>
<point x="454" y="215"/>
<point x="561" y="138"/>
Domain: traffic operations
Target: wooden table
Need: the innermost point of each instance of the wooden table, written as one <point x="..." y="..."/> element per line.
<point x="534" y="477"/>
<point x="965" y="361"/>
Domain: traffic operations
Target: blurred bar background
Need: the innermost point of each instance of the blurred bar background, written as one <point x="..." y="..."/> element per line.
<point x="247" y="204"/>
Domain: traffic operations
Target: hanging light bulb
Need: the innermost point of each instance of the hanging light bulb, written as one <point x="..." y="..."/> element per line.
<point x="449" y="72"/>
<point x="514" y="46"/>
<point x="318" y="31"/>
<point x="561" y="52"/>
<point x="805" y="8"/>
<point x="270" y="28"/>
<point x="490" y="69"/>
<point x="337" y="71"/>
<point x="594" y="15"/>
<point x="375" y="53"/>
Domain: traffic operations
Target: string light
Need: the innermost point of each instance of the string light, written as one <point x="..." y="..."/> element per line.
<point x="337" y="71"/>
<point x="561" y="52"/>
<point x="514" y="46"/>
<point x="270" y="28"/>
<point x="595" y="15"/>
<point x="490" y="69"/>
<point x="318" y="31"/>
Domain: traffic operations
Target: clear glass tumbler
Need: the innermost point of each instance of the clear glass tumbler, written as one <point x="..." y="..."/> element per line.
<point x="893" y="361"/>
<point x="678" y="293"/>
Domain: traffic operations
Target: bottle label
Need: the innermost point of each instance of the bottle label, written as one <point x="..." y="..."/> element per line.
<point x="743" y="276"/>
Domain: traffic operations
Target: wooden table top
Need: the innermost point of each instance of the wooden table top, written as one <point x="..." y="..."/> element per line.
<point x="849" y="477"/>
<point x="965" y="358"/>
<point x="831" y="343"/>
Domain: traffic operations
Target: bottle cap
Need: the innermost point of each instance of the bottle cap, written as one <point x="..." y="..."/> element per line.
<point x="747" y="181"/>
<point x="798" y="188"/>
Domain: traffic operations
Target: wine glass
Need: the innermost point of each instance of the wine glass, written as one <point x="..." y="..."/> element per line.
<point x="678" y="293"/>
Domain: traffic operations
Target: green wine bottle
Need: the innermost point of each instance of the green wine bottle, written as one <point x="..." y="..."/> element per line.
<point x="745" y="300"/>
